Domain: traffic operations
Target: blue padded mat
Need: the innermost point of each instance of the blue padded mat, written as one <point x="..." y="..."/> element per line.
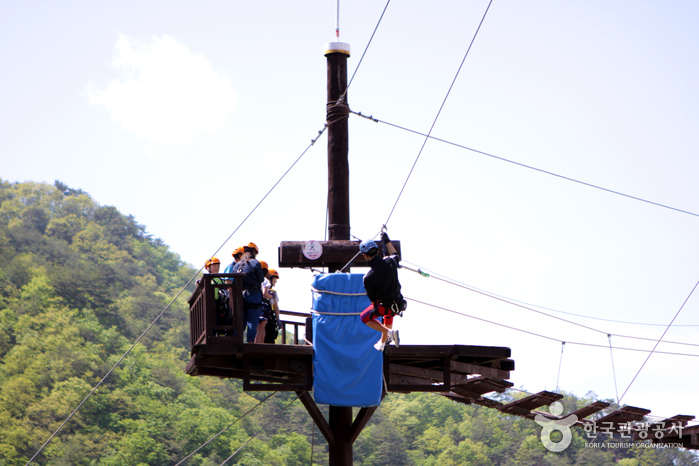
<point x="347" y="369"/>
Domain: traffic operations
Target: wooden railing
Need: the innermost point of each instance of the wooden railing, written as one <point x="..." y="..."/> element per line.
<point x="204" y="330"/>
<point x="295" y="324"/>
<point x="202" y="311"/>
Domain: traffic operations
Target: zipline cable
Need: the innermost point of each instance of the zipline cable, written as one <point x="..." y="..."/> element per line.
<point x="342" y="97"/>
<point x="111" y="370"/>
<point x="427" y="136"/>
<point x="584" y="183"/>
<point x="225" y="429"/>
<point x="259" y="431"/>
<point x="313" y="440"/>
<point x="427" y="273"/>
<point x="658" y="342"/>
<point x="515" y="303"/>
<point x="313" y="141"/>
<point x="560" y="364"/>
<point x="544" y="336"/>
<point x="611" y="353"/>
<point x="359" y="252"/>
<point x="341" y="101"/>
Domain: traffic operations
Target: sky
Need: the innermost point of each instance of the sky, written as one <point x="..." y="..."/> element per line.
<point x="185" y="115"/>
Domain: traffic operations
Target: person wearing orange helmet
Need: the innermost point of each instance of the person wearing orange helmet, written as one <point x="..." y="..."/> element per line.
<point x="221" y="295"/>
<point x="212" y="265"/>
<point x="267" y="333"/>
<point x="252" y="289"/>
<point x="237" y="255"/>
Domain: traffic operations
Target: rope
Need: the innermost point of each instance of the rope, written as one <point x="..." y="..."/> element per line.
<point x="111" y="370"/>
<point x="365" y="49"/>
<point x="560" y="363"/>
<point x="337" y="292"/>
<point x="313" y="311"/>
<point x="516" y="303"/>
<point x="438" y="113"/>
<point x="424" y="274"/>
<point x="359" y="252"/>
<point x="616" y="390"/>
<point x="659" y="340"/>
<point x="313" y="440"/>
<point x="313" y="141"/>
<point x="225" y="429"/>
<point x="546" y="172"/>
<point x="340" y="105"/>
<point x="258" y="432"/>
<point x="544" y="336"/>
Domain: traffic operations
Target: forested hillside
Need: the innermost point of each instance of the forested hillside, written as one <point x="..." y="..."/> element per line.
<point x="79" y="282"/>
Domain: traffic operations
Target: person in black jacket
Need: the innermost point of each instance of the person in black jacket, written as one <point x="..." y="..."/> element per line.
<point x="252" y="289"/>
<point x="383" y="289"/>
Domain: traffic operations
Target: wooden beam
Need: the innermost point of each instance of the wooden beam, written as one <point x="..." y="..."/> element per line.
<point x="482" y="385"/>
<point x="340" y="420"/>
<point x="406" y="383"/>
<point x="671" y="428"/>
<point x="591" y="409"/>
<point x="437" y="376"/>
<point x="317" y="416"/>
<point x="524" y="406"/>
<point x="457" y="398"/>
<point x="334" y="252"/>
<point x="464" y="392"/>
<point x="363" y="417"/>
<point x="623" y="415"/>
<point x="680" y="419"/>
<point x="297" y="380"/>
<point x="480" y="370"/>
<point x="488" y="403"/>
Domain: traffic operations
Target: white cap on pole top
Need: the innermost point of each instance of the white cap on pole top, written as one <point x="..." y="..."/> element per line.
<point x="337" y="47"/>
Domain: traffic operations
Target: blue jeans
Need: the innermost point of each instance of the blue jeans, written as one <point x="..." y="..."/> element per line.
<point x="251" y="316"/>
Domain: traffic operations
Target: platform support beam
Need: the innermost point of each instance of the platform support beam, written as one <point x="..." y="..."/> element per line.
<point x="340" y="452"/>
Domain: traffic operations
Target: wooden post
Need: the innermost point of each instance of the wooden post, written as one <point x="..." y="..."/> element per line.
<point x="340" y="451"/>
<point x="337" y="113"/>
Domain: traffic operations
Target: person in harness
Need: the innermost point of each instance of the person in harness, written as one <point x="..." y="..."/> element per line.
<point x="383" y="289"/>
<point x="270" y="310"/>
<point x="221" y="296"/>
<point x="252" y="289"/>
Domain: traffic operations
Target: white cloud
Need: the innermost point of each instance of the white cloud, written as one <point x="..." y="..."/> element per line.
<point x="151" y="151"/>
<point x="165" y="92"/>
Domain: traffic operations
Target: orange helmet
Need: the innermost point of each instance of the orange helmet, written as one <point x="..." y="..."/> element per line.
<point x="211" y="261"/>
<point x="252" y="245"/>
<point x="238" y="250"/>
<point x="264" y="265"/>
<point x="272" y="273"/>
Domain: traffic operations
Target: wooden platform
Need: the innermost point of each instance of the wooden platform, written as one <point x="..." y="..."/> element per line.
<point x="264" y="367"/>
<point x="464" y="374"/>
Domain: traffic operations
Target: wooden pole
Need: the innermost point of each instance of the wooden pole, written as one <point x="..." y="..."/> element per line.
<point x="337" y="113"/>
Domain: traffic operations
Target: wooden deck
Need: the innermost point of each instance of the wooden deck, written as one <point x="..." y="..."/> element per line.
<point x="264" y="367"/>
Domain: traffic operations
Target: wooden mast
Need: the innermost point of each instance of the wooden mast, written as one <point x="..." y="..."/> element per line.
<point x="337" y="113"/>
